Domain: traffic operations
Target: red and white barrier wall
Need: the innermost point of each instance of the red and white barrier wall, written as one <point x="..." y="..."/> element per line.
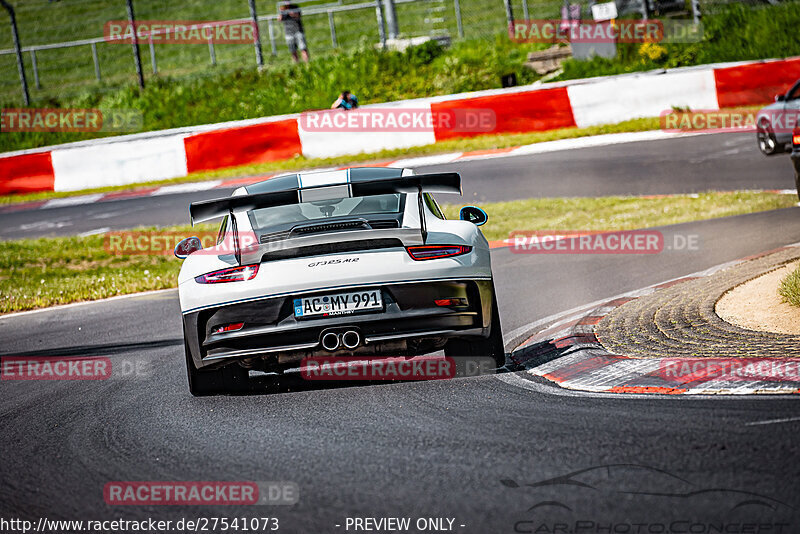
<point x="98" y="165"/>
<point x="321" y="144"/>
<point x="604" y="100"/>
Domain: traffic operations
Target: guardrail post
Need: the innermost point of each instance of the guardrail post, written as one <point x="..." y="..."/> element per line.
<point x="457" y="7"/>
<point x="18" y="48"/>
<point x="137" y="57"/>
<point x="333" y="29"/>
<point x="96" y="62"/>
<point x="271" y="31"/>
<point x="153" y="56"/>
<point x="35" y="70"/>
<point x="381" y="24"/>
<point x="256" y="33"/>
<point x="212" y="52"/>
<point x="509" y="13"/>
<point x="391" y="19"/>
<point x="696" y="11"/>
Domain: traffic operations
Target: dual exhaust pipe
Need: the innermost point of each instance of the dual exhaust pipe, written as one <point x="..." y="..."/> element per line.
<point x="350" y="339"/>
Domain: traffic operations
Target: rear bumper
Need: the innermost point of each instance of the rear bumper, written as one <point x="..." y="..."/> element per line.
<point x="271" y="336"/>
<point x="796" y="160"/>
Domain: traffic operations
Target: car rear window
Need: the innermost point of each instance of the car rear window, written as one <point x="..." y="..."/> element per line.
<point x="280" y="218"/>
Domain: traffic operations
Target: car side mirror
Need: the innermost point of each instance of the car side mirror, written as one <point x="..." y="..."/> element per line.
<point x="473" y="214"/>
<point x="187" y="246"/>
<point x="780" y="98"/>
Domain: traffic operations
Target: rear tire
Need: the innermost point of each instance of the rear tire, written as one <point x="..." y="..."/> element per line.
<point x="491" y="346"/>
<point x="797" y="181"/>
<point x="229" y="379"/>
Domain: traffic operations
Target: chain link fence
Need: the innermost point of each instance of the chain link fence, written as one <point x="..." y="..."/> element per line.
<point x="66" y="55"/>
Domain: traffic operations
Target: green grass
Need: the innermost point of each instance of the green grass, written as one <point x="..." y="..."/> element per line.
<point x="620" y="213"/>
<point x="373" y="75"/>
<point x="737" y="32"/>
<point x="44" y="272"/>
<point x="38" y="273"/>
<point x="299" y="163"/>
<point x="70" y="72"/>
<point x="790" y="288"/>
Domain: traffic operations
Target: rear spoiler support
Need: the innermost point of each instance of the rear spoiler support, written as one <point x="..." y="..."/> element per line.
<point x="237" y="251"/>
<point x="423" y="226"/>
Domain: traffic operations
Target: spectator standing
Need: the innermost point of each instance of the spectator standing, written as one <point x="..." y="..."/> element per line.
<point x="293" y="28"/>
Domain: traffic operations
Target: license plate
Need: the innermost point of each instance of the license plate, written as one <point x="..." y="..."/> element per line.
<point x="338" y="304"/>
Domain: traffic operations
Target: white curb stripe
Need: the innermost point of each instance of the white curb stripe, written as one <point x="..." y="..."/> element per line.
<point x="773" y="421"/>
<point x="424" y="161"/>
<point x="86" y="303"/>
<point x="608" y="376"/>
<point x="185" y="188"/>
<point x="72" y="201"/>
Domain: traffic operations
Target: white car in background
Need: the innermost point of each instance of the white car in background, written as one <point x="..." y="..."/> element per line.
<point x="358" y="261"/>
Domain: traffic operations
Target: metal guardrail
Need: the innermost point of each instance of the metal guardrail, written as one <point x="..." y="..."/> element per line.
<point x="269" y="19"/>
<point x="444" y="16"/>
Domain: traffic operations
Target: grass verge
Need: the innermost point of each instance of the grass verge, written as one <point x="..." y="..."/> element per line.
<point x="738" y="32"/>
<point x="790" y="288"/>
<point x="36" y="273"/>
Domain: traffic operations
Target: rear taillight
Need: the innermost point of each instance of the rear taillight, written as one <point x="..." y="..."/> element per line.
<point x="432" y="252"/>
<point x="233" y="327"/>
<point x="796" y="137"/>
<point x="234" y="274"/>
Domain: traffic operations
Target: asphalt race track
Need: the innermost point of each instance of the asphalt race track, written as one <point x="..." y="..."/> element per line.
<point x="480" y="450"/>
<point x="719" y="162"/>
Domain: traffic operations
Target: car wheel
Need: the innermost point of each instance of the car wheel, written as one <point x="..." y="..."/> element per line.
<point x="797" y="182"/>
<point x="767" y="143"/>
<point x="228" y="379"/>
<point x="491" y="346"/>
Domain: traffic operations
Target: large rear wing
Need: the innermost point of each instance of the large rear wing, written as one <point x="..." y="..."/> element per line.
<point x="446" y="182"/>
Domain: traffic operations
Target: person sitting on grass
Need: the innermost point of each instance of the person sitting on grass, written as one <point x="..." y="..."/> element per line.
<point x="346" y="100"/>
